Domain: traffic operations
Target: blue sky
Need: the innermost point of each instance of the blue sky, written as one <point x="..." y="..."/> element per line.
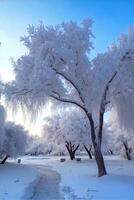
<point x="111" y="18"/>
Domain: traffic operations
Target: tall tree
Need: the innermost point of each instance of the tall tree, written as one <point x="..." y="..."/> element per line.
<point x="120" y="57"/>
<point x="58" y="66"/>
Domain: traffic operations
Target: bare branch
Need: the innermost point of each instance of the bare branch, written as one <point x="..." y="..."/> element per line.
<point x="88" y="150"/>
<point x="76" y="148"/>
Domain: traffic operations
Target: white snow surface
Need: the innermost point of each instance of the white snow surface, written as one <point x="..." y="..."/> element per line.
<point x="14" y="179"/>
<point x="46" y="178"/>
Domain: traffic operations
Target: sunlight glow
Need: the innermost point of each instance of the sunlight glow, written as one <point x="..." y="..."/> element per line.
<point x="34" y="127"/>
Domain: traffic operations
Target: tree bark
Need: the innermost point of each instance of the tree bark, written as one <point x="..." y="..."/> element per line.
<point x="88" y="151"/>
<point x="111" y="152"/>
<point x="103" y="104"/>
<point x="72" y="148"/>
<point x="97" y="139"/>
<point x="4" y="160"/>
<point x="97" y="149"/>
<point x="100" y="162"/>
<point x="127" y="150"/>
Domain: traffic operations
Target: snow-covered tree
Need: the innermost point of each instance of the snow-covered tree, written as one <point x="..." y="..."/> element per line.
<point x="52" y="135"/>
<point x="36" y="145"/>
<point x="15" y="141"/>
<point x="125" y="143"/>
<point x="59" y="67"/>
<point x="123" y="140"/>
<point x="68" y="128"/>
<point x="58" y="63"/>
<point x="120" y="58"/>
<point x="76" y="132"/>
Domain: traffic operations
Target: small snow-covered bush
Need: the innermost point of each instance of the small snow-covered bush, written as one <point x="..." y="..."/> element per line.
<point x="15" y="141"/>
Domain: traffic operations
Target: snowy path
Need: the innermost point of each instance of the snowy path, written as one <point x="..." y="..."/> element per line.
<point x="46" y="186"/>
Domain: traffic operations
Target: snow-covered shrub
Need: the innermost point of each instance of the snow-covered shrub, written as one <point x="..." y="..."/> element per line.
<point x="15" y="141"/>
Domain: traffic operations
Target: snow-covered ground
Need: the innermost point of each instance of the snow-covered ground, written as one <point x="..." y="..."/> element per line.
<point x="14" y="178"/>
<point x="46" y="178"/>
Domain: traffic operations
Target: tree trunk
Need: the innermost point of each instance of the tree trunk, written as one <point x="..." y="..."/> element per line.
<point x="97" y="148"/>
<point x="72" y="155"/>
<point x="97" y="140"/>
<point x="111" y="152"/>
<point x="127" y="150"/>
<point x="128" y="155"/>
<point x="100" y="161"/>
<point x="88" y="151"/>
<point x="4" y="160"/>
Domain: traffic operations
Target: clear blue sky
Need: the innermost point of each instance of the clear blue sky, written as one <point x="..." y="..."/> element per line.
<point x="111" y="18"/>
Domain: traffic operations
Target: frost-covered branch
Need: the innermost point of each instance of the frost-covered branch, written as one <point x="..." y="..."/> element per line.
<point x="22" y="92"/>
<point x="72" y="83"/>
<point x="103" y="104"/>
<point x="68" y="101"/>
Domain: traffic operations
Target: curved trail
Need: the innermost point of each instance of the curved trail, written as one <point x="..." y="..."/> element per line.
<point x="45" y="187"/>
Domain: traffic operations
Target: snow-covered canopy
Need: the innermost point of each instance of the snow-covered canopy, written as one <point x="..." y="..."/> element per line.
<point x="120" y="58"/>
<point x="58" y="59"/>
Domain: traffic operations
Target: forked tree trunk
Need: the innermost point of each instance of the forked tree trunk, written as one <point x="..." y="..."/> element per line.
<point x="72" y="148"/>
<point x="88" y="151"/>
<point x="4" y="160"/>
<point x="96" y="139"/>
